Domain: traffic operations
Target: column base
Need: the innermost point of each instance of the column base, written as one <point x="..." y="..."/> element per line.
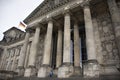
<point x="65" y="71"/>
<point x="21" y="71"/>
<point x="91" y="69"/>
<point x="55" y="71"/>
<point x="77" y="71"/>
<point x="30" y="71"/>
<point x="44" y="71"/>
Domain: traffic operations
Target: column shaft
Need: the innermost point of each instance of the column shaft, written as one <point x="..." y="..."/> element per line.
<point x="67" y="67"/>
<point x="23" y="51"/>
<point x="90" y="42"/>
<point x="48" y="41"/>
<point x="34" y="46"/>
<point x="76" y="46"/>
<point x="91" y="65"/>
<point x="45" y="68"/>
<point x="67" y="37"/>
<point x="59" y="49"/>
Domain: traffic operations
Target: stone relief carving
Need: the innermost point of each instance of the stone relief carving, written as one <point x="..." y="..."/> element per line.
<point x="109" y="48"/>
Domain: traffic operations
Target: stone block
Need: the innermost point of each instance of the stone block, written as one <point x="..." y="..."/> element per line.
<point x="65" y="71"/>
<point x="77" y="71"/>
<point x="44" y="72"/>
<point x="27" y="72"/>
<point x="91" y="69"/>
<point x="110" y="70"/>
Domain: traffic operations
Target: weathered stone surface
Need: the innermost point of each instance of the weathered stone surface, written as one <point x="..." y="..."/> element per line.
<point x="27" y="72"/>
<point x="109" y="55"/>
<point x="47" y="44"/>
<point x="65" y="71"/>
<point x="115" y="17"/>
<point x="40" y="52"/>
<point x="59" y="49"/>
<point x="77" y="52"/>
<point x="67" y="37"/>
<point x="44" y="72"/>
<point x="23" y="53"/>
<point x="34" y="47"/>
<point x="101" y="29"/>
<point x="107" y="37"/>
<point x="30" y="71"/>
<point x="91" y="69"/>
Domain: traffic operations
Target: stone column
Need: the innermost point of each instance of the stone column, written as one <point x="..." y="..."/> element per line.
<point x="67" y="66"/>
<point x="59" y="49"/>
<point x="27" y="55"/>
<point x="23" y="55"/>
<point x="45" y="68"/>
<point x="115" y="15"/>
<point x="31" y="71"/>
<point x="77" y="49"/>
<point x="67" y="37"/>
<point x="91" y="66"/>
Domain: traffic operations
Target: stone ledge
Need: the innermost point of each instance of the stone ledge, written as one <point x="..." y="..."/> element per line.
<point x="103" y="77"/>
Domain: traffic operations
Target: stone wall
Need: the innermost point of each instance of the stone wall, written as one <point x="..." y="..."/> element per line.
<point x="107" y="37"/>
<point x="11" y="58"/>
<point x="106" y="48"/>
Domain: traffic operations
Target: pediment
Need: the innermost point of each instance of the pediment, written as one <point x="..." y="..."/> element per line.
<point x="45" y="7"/>
<point x="13" y="34"/>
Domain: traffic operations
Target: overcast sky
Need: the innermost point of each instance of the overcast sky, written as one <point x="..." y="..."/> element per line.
<point x="14" y="11"/>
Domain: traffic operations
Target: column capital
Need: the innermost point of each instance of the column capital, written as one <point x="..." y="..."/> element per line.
<point x="49" y="18"/>
<point x="67" y="11"/>
<point x="85" y="4"/>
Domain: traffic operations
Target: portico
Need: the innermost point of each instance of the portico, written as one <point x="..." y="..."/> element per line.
<point x="74" y="38"/>
<point x="64" y="54"/>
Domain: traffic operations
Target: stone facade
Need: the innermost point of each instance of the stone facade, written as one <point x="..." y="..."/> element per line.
<point x="65" y="38"/>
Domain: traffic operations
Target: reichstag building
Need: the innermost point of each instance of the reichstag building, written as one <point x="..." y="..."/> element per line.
<point x="65" y="39"/>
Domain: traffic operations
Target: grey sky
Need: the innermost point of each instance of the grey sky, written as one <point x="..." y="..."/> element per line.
<point x="14" y="11"/>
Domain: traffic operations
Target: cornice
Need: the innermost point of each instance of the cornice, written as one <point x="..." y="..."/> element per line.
<point x="49" y="5"/>
<point x="71" y="4"/>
